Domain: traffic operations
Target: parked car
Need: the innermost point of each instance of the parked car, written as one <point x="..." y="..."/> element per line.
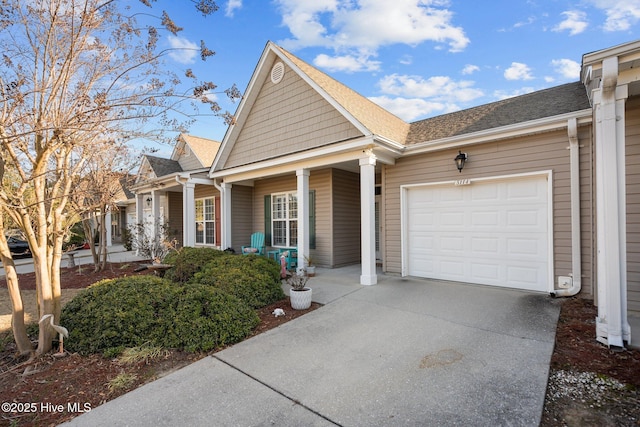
<point x="18" y="247"/>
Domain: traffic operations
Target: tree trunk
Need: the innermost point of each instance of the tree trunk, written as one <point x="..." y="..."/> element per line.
<point x="13" y="286"/>
<point x="45" y="298"/>
<point x="23" y="343"/>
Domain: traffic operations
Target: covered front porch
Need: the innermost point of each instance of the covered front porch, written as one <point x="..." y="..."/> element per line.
<point x="321" y="203"/>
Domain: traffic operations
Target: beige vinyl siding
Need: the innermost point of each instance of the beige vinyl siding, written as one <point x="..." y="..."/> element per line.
<point x="203" y="191"/>
<point x="346" y="217"/>
<point x="319" y="180"/>
<point x="190" y="162"/>
<point x="175" y="217"/>
<point x="242" y="210"/>
<point x="509" y="157"/>
<point x="288" y="117"/>
<point x="633" y="204"/>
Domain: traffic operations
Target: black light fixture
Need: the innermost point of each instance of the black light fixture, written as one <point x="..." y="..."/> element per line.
<point x="460" y="159"/>
<point x="149" y="201"/>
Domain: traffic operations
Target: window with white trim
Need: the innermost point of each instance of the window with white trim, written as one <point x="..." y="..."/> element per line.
<point x="205" y="221"/>
<point x="284" y="219"/>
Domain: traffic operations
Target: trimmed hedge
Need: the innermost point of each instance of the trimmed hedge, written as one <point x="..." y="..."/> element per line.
<point x="112" y="315"/>
<point x="251" y="278"/>
<point x="187" y="261"/>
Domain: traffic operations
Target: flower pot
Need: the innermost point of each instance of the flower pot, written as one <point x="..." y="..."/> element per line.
<point x="300" y="300"/>
<point x="311" y="270"/>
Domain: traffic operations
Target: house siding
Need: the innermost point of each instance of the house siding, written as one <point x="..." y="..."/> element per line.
<point x="190" y="162"/>
<point x="346" y="217"/>
<point x="633" y="204"/>
<point x="242" y="207"/>
<point x="288" y="117"/>
<point x="202" y="191"/>
<point x="509" y="157"/>
<point x="175" y="225"/>
<point x="320" y="182"/>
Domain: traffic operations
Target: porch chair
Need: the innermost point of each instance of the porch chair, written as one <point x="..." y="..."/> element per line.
<point x="257" y="245"/>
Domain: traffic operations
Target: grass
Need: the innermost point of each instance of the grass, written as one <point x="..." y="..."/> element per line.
<point x="144" y="353"/>
<point x="122" y="381"/>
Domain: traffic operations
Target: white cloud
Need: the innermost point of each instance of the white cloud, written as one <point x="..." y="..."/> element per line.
<point x="186" y="50"/>
<point x="406" y="60"/>
<point x="567" y="68"/>
<point x="232" y="5"/>
<point x="410" y="109"/>
<point x="621" y="14"/>
<point x="518" y="71"/>
<point x="366" y="25"/>
<point x="575" y="22"/>
<point x="470" y="69"/>
<point x="440" y="88"/>
<point x="348" y="63"/>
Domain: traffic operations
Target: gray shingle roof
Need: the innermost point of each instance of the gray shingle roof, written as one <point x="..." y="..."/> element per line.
<point x="162" y="167"/>
<point x="550" y="102"/>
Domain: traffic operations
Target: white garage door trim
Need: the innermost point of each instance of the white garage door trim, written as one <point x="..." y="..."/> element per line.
<point x="404" y="200"/>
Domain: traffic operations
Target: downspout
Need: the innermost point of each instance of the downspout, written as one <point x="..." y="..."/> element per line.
<point x="576" y="249"/>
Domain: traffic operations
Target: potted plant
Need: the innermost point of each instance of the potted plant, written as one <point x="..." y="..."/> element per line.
<point x="310" y="268"/>
<point x="299" y="294"/>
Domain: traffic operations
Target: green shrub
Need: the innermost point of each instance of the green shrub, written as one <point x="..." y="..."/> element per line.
<point x="188" y="261"/>
<point x="121" y="313"/>
<point x="253" y="279"/>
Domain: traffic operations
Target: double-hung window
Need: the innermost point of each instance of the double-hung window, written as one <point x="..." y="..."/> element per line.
<point x="284" y="219"/>
<point x="205" y="221"/>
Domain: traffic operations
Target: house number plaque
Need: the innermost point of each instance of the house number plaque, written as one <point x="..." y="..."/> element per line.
<point x="462" y="182"/>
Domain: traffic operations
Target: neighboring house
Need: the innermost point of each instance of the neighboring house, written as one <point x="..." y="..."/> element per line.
<point x="178" y="193"/>
<point x="548" y="199"/>
<point x="117" y="218"/>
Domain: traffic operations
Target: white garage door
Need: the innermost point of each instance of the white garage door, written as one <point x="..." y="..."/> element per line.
<point x="492" y="232"/>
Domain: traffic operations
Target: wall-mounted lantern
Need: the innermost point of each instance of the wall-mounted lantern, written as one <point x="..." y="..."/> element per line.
<point x="460" y="160"/>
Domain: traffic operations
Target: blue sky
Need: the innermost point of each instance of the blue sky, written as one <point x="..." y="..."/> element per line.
<point x="416" y="58"/>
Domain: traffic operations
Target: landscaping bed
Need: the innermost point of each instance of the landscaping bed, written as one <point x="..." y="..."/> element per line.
<point x="589" y="384"/>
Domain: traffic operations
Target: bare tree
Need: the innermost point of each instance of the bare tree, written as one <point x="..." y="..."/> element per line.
<point x="76" y="74"/>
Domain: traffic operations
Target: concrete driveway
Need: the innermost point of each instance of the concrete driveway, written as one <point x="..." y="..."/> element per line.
<point x="403" y="352"/>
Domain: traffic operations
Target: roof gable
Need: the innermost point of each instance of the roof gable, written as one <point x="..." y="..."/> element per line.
<point x="375" y="118"/>
<point x="194" y="152"/>
<point x="357" y="112"/>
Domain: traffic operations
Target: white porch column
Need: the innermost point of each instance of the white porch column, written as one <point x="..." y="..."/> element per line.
<point x="155" y="214"/>
<point x="367" y="219"/>
<point x="139" y="208"/>
<point x="188" y="214"/>
<point x="225" y="211"/>
<point x="139" y="216"/>
<point x="612" y="327"/>
<point x="107" y="223"/>
<point x="303" y="218"/>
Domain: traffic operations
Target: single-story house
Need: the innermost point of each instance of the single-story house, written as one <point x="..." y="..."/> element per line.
<point x="176" y="195"/>
<point x="539" y="192"/>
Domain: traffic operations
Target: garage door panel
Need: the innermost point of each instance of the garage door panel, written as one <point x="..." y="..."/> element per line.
<point x="485" y="193"/>
<point x="452" y="244"/>
<point x="486" y="273"/>
<point x="525" y="247"/>
<point x="482" y="245"/>
<point x="489" y="232"/>
<point x="452" y="219"/>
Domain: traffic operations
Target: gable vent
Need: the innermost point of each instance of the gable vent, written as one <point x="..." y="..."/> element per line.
<point x="277" y="72"/>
